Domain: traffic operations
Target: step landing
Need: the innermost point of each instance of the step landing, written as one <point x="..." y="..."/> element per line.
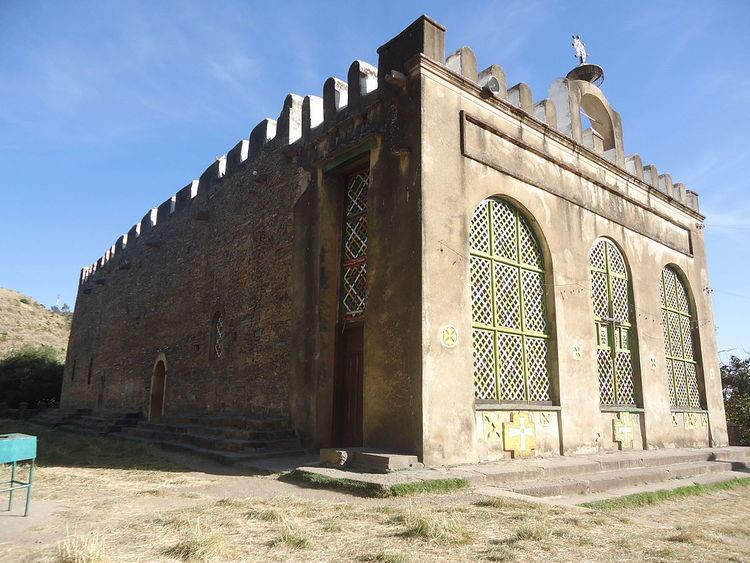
<point x="574" y="476"/>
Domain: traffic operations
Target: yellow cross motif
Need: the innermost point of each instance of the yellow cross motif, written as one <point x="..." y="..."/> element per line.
<point x="622" y="428"/>
<point x="519" y="435"/>
<point x="449" y="336"/>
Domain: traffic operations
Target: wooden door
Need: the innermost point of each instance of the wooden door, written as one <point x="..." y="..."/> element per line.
<point x="348" y="388"/>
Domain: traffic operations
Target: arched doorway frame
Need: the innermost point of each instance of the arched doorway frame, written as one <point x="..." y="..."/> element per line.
<point x="160" y="359"/>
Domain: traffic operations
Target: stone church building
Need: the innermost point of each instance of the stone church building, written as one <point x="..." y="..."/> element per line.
<point x="423" y="260"/>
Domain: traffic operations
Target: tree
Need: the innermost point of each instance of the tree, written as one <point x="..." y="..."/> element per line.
<point x="735" y="380"/>
<point x="31" y="375"/>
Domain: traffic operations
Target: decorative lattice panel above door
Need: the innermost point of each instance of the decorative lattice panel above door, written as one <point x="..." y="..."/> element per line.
<point x="354" y="241"/>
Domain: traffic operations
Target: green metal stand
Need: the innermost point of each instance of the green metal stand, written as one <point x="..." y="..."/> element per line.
<point x="13" y="449"/>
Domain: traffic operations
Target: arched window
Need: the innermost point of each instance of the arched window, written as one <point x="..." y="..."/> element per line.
<point x="509" y="325"/>
<point x="217" y="336"/>
<point x="677" y="324"/>
<point x="610" y="291"/>
<point x="91" y="370"/>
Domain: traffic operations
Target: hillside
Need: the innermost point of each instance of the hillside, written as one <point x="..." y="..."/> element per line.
<point x="24" y="322"/>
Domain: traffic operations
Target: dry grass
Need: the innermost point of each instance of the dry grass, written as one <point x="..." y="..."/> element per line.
<point x="685" y="535"/>
<point x="87" y="548"/>
<point x="433" y="526"/>
<point x="199" y="544"/>
<point x="385" y="557"/>
<point x="290" y="535"/>
<point x="24" y="322"/>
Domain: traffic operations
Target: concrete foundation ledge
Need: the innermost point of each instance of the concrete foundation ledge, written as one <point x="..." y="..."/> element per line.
<point x="375" y="484"/>
<point x="532" y="477"/>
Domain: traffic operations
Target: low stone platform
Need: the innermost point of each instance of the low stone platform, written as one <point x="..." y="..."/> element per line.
<point x="367" y="460"/>
<point x="563" y="477"/>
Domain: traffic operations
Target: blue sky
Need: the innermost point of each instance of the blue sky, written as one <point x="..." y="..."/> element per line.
<point x="108" y="108"/>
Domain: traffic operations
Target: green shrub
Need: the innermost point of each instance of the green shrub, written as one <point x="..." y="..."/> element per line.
<point x="31" y="375"/>
<point x="735" y="379"/>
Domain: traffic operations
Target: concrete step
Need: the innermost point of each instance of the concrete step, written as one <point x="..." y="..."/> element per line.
<point x="560" y="467"/>
<point x="587" y="483"/>
<point x="367" y="460"/>
<point x="705" y="479"/>
<point x="732" y="453"/>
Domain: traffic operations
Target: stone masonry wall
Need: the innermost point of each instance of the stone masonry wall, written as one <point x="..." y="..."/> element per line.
<point x="227" y="249"/>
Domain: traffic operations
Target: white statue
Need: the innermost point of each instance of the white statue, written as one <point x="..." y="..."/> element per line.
<point x="580" y="48"/>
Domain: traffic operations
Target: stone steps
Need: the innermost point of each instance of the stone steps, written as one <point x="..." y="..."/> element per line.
<point x="244" y="459"/>
<point x="587" y="483"/>
<point x="548" y="480"/>
<point x="57" y="417"/>
<point x="101" y="424"/>
<point x="234" y="439"/>
<point x="239" y="422"/>
<point x="705" y="479"/>
<point x="278" y="432"/>
<point x="196" y="438"/>
<point x="591" y="474"/>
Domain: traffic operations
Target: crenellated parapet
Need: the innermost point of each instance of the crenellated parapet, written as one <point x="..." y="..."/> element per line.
<point x="301" y="119"/>
<point x="574" y="108"/>
<point x="579" y="110"/>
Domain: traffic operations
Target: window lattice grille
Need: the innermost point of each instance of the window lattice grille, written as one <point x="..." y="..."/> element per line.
<point x="610" y="295"/>
<point x="509" y="325"/>
<point x="218" y="336"/>
<point x="676" y="322"/>
<point x="354" y="260"/>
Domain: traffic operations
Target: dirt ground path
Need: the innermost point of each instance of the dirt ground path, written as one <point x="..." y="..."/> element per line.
<point x="98" y="499"/>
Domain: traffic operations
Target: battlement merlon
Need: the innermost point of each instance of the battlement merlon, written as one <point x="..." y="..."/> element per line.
<point x="303" y="117"/>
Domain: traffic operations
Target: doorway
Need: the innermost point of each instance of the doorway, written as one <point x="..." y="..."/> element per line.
<point x="348" y="392"/>
<point x="349" y="373"/>
<point x="158" y="384"/>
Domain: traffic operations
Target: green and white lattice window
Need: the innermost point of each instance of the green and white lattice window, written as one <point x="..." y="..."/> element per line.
<point x="611" y="295"/>
<point x="354" y="260"/>
<point x="509" y="326"/>
<point x="677" y="324"/>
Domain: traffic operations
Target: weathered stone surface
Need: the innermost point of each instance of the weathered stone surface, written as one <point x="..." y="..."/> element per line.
<point x="333" y="457"/>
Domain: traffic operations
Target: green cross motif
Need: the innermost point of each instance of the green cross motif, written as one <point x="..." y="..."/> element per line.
<point x="690" y="421"/>
<point x="492" y="426"/>
<point x="622" y="427"/>
<point x="449" y="336"/>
